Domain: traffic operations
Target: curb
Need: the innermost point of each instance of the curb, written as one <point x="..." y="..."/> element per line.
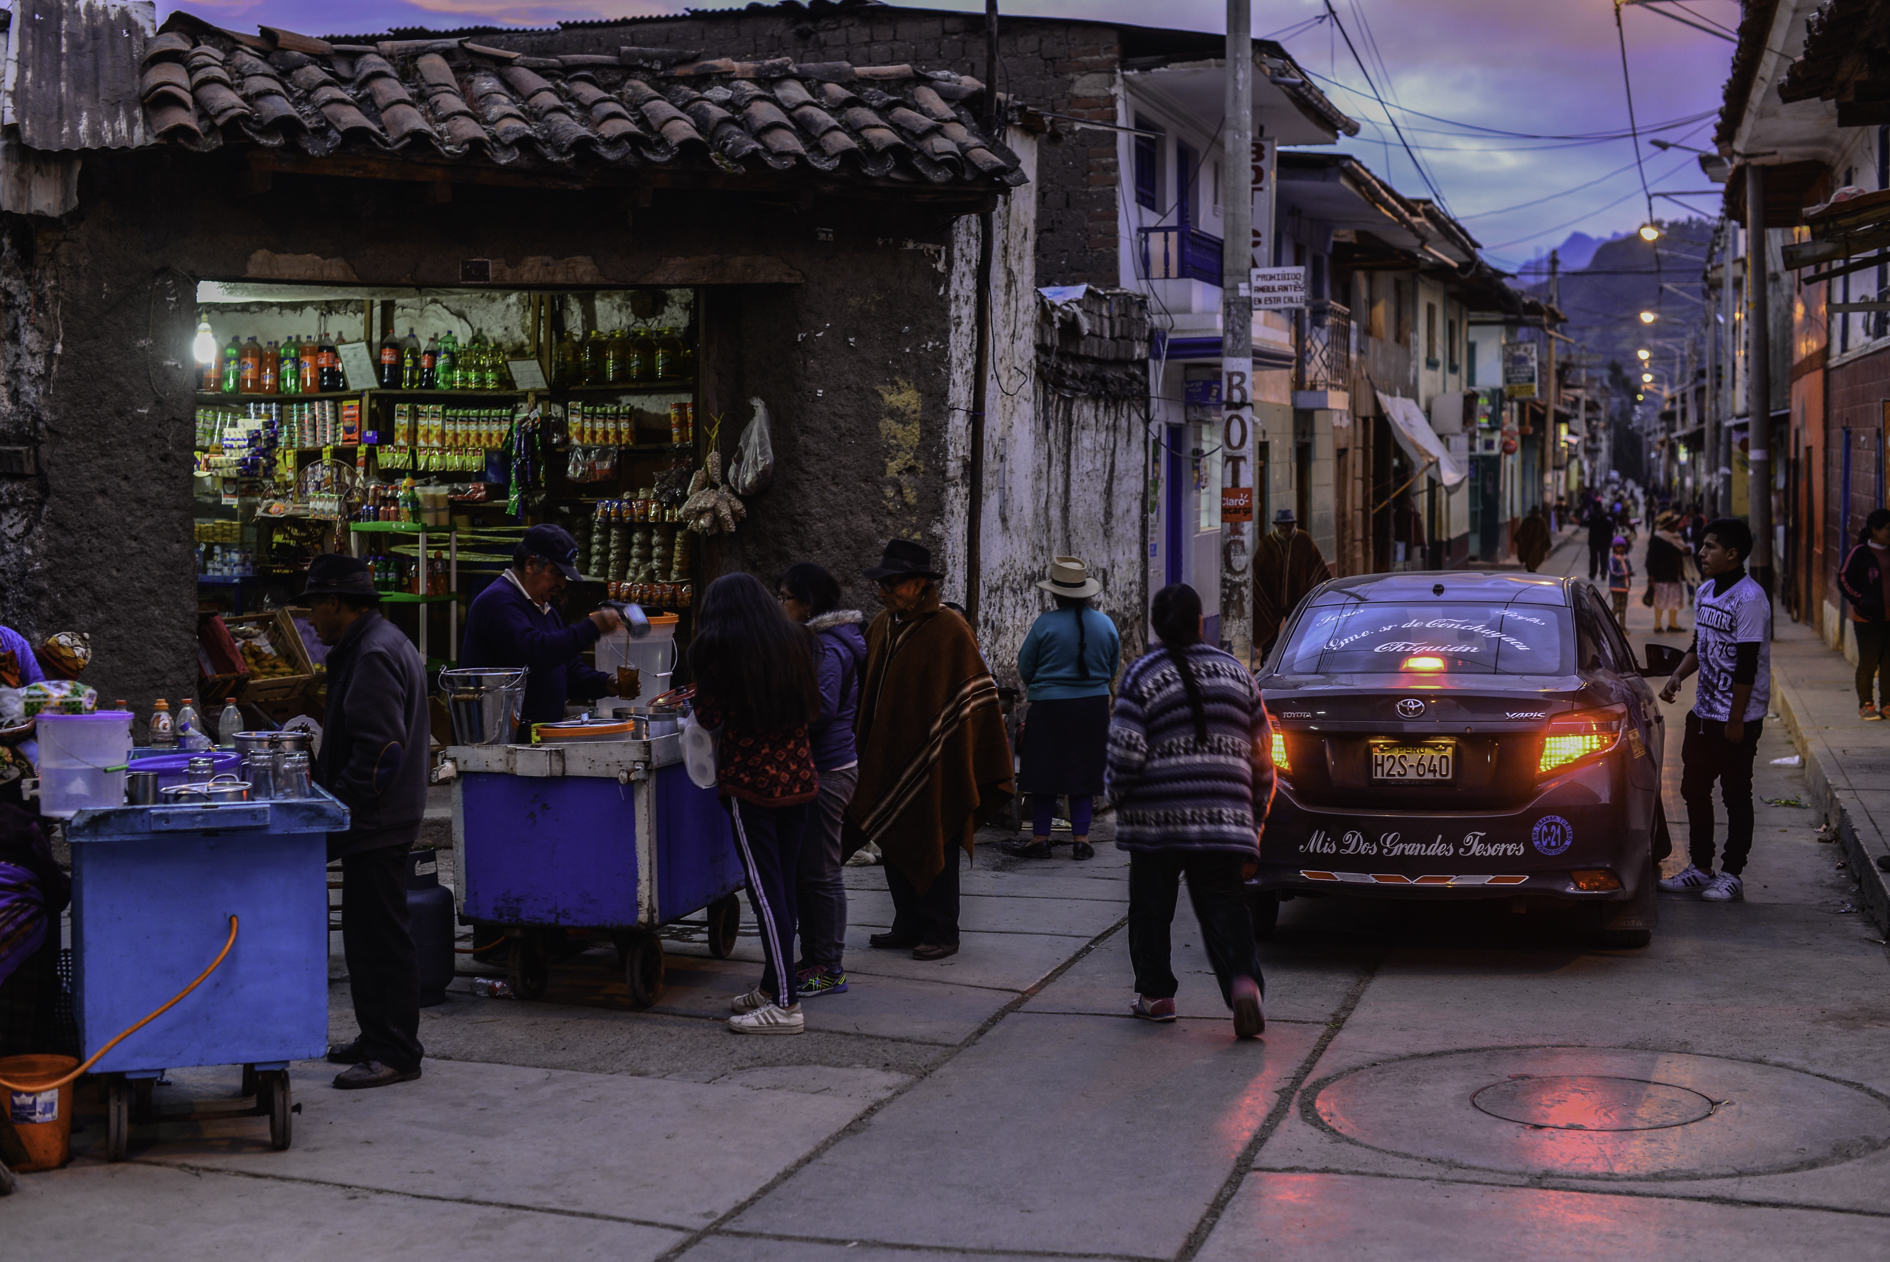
<point x="1821" y="774"/>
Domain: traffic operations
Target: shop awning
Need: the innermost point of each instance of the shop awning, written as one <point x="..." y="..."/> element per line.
<point x="1413" y="431"/>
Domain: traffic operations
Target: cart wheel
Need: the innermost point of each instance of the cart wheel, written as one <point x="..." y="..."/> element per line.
<point x="643" y="970"/>
<point x="1265" y="909"/>
<point x="281" y="1110"/>
<point x="117" y="1120"/>
<point x="725" y="922"/>
<point x="528" y="971"/>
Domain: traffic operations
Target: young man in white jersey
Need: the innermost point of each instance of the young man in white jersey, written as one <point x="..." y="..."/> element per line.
<point x="1732" y="651"/>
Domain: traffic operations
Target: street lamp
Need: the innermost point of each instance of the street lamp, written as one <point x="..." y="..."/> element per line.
<point x="1646" y="378"/>
<point x="1649" y="232"/>
<point x="1644" y="355"/>
<point x="1648" y="317"/>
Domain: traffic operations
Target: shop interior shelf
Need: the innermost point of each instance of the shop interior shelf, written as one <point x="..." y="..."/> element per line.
<point x="671" y="385"/>
<point x="408" y="598"/>
<point x="229" y="580"/>
<point x="399" y="528"/>
<point x="352" y="446"/>
<point x="218" y="396"/>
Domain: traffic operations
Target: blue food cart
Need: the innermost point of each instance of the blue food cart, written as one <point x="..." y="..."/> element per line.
<point x="157" y="893"/>
<point x="609" y="837"/>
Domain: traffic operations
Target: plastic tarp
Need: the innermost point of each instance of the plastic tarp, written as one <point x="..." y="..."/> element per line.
<point x="1413" y="431"/>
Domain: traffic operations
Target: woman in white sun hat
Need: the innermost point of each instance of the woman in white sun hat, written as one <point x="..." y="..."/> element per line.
<point x="1068" y="663"/>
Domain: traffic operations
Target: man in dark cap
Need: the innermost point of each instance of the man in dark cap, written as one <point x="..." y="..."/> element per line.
<point x="1286" y="566"/>
<point x="934" y="761"/>
<point x="515" y="622"/>
<point x="375" y="749"/>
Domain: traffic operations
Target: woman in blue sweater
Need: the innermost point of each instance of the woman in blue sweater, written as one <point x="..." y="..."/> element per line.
<point x="1068" y="663"/>
<point x="1191" y="778"/>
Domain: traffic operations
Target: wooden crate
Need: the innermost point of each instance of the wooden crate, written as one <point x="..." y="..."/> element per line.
<point x="279" y="629"/>
<point x="221" y="671"/>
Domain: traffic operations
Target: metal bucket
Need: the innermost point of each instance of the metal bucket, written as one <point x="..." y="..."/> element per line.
<point x="484" y="703"/>
<point x="247" y="743"/>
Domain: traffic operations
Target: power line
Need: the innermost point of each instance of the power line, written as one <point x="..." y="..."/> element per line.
<point x="1627" y="85"/>
<point x="1360" y="62"/>
<point x="1519" y="135"/>
<point x="1485" y="214"/>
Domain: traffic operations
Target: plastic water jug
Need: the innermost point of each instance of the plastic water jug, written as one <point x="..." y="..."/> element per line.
<point x="82" y="761"/>
<point x="654" y="656"/>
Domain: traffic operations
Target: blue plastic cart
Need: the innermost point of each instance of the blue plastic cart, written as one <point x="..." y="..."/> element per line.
<point x="610" y="837"/>
<point x="153" y="890"/>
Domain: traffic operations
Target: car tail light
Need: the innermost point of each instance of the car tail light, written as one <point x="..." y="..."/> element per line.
<point x="1574" y="737"/>
<point x="1280" y="762"/>
<point x="1594" y="880"/>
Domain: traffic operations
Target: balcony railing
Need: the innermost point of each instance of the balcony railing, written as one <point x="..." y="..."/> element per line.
<point x="1325" y="346"/>
<point x="1180" y="252"/>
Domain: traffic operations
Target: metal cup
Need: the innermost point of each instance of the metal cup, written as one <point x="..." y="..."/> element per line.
<point x="259" y="769"/>
<point x="292" y="776"/>
<point x="199" y="770"/>
<point x="141" y="788"/>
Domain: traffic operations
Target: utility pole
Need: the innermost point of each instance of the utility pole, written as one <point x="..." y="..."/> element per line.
<point x="1710" y="439"/>
<point x="1550" y="393"/>
<point x="1237" y="166"/>
<point x="1759" y="397"/>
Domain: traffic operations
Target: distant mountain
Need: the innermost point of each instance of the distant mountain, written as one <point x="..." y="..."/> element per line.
<point x="1573" y="254"/>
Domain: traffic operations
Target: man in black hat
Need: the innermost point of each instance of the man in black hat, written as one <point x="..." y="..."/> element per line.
<point x="934" y="761"/>
<point x="1286" y="566"/>
<point x="515" y="622"/>
<point x="375" y="748"/>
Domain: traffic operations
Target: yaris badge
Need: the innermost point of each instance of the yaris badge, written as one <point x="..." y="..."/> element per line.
<point x="1552" y="834"/>
<point x="1410" y="707"/>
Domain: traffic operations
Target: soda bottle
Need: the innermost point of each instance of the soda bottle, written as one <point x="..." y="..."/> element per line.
<point x="267" y="368"/>
<point x="410" y="362"/>
<point x="229" y="723"/>
<point x="617" y="358"/>
<point x="429" y="356"/>
<point x="567" y="367"/>
<point x="289" y="367"/>
<point x="162" y="731"/>
<point x="232" y="368"/>
<point x="389" y="376"/>
<point x="446" y="363"/>
<point x="595" y="348"/>
<point x="311" y="359"/>
<point x="410" y="501"/>
<point x="249" y="367"/>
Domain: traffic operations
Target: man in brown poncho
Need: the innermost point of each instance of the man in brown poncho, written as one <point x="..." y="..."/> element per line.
<point x="1286" y="566"/>
<point x="934" y="761"/>
<point x="1533" y="540"/>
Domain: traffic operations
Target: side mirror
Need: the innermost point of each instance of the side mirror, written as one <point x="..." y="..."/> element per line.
<point x="1662" y="660"/>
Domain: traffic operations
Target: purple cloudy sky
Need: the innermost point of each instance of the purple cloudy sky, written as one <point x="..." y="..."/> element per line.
<point x="1510" y="65"/>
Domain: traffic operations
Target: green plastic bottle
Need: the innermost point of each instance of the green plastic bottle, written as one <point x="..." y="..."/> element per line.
<point x="446" y="367"/>
<point x="233" y="366"/>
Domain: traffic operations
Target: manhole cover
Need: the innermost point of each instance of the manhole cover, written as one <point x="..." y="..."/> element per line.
<point x="1585" y="1102"/>
<point x="1602" y="1113"/>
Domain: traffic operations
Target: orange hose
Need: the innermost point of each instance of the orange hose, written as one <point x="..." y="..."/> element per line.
<point x="131" y="1030"/>
<point x="476" y="950"/>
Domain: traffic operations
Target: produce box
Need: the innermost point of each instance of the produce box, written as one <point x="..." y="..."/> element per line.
<point x="273" y="652"/>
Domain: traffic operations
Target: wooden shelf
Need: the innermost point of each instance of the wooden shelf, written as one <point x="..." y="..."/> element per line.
<point x="677" y="385"/>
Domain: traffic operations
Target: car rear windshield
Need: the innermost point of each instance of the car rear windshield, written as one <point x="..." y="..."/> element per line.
<point x="1462" y="638"/>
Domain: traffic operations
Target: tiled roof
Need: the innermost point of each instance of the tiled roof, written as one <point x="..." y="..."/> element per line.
<point x="456" y="98"/>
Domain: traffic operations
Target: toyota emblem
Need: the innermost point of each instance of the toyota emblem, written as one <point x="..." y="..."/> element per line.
<point x="1411" y="707"/>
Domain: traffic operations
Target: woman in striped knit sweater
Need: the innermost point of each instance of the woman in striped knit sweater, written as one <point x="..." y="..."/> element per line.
<point x="1191" y="778"/>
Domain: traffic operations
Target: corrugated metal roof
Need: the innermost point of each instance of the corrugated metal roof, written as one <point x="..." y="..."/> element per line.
<point x="75" y="82"/>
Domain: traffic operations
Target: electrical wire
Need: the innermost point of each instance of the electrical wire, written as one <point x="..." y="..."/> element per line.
<point x="1627" y="86"/>
<point x="1376" y="95"/>
<point x="1522" y="135"/>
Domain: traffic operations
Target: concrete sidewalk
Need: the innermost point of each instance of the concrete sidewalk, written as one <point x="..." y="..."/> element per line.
<point x="1847" y="760"/>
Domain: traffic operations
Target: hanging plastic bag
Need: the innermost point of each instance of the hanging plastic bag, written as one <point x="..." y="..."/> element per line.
<point x="698" y="751"/>
<point x="752" y="467"/>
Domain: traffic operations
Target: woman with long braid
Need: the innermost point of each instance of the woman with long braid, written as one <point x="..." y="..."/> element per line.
<point x="1191" y="778"/>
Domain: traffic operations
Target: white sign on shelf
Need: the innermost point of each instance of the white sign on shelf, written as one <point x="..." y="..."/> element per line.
<point x="1277" y="288"/>
<point x="358" y="363"/>
<point x="527" y="374"/>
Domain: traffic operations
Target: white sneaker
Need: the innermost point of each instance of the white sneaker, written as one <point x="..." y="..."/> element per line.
<point x="769" y="1019"/>
<point x="1686" y="880"/>
<point x="751" y="1001"/>
<point x="1724" y="888"/>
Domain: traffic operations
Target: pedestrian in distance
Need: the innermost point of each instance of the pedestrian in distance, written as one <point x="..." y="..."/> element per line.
<point x="1865" y="579"/>
<point x="1620" y="579"/>
<point x="1533" y="540"/>
<point x="1068" y="664"/>
<point x="1600" y="527"/>
<point x="1191" y="778"/>
<point x="934" y="761"/>
<point x="1286" y="566"/>
<point x="1666" y="574"/>
<point x="810" y="595"/>
<point x="757" y="688"/>
<point x="375" y="756"/>
<point x="1732" y="651"/>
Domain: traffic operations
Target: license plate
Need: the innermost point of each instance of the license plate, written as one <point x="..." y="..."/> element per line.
<point x="1411" y="762"/>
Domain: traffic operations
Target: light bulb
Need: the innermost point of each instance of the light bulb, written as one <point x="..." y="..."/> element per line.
<point x="1649" y="232"/>
<point x="1645" y="355"/>
<point x="1647" y="376"/>
<point x="205" y="345"/>
<point x="1648" y="317"/>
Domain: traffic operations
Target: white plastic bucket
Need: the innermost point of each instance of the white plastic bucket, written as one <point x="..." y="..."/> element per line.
<point x="654" y="656"/>
<point x="82" y="761"/>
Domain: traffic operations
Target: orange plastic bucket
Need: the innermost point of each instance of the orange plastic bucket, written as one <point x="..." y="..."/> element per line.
<point x="42" y="1119"/>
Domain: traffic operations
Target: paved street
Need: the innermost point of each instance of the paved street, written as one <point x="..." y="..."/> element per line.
<point x="1003" y="1105"/>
